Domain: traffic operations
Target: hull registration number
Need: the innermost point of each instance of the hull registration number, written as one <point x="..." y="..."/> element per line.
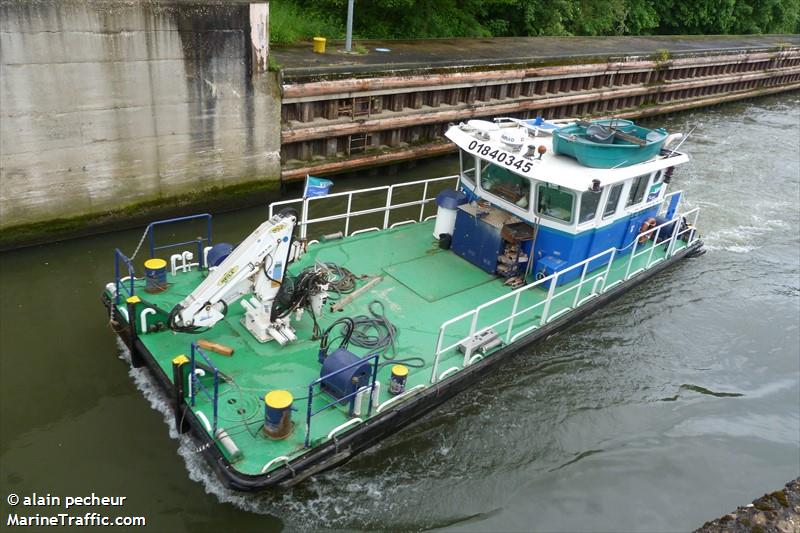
<point x="500" y="156"/>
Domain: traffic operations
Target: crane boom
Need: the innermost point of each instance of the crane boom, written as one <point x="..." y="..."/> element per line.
<point x="256" y="265"/>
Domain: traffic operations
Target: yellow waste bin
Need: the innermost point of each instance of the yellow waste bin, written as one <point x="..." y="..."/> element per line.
<point x="319" y="45"/>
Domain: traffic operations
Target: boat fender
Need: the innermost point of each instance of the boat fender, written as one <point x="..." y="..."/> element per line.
<point x="332" y="236"/>
<point x="232" y="450"/>
<point x="665" y="233"/>
<point x="648" y="224"/>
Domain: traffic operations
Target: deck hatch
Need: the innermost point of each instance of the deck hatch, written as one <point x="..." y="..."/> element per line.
<point x="438" y="275"/>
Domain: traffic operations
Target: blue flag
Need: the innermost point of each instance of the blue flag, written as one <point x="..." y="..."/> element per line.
<point x="316" y="186"/>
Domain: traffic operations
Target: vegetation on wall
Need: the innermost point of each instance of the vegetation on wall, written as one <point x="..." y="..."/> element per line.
<point x="294" y="20"/>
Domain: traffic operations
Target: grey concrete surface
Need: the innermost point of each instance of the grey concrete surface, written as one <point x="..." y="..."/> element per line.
<point x="298" y="61"/>
<point x="108" y="104"/>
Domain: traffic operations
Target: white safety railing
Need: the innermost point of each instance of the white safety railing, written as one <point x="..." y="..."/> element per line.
<point x="598" y="278"/>
<point x="654" y="234"/>
<point x="387" y="207"/>
<point x="667" y="200"/>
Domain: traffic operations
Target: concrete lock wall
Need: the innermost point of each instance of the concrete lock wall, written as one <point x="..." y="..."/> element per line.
<point x="108" y="104"/>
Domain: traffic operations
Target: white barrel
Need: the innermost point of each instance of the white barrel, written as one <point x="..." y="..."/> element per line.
<point x="445" y="221"/>
<point x="448" y="201"/>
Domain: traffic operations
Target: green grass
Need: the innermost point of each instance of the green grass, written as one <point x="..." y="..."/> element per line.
<point x="290" y="23"/>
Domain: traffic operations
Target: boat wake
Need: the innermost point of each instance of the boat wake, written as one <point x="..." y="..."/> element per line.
<point x="324" y="501"/>
<point x="742" y="239"/>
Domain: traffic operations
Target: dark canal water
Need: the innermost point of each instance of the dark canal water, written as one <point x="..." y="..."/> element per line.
<point x="670" y="407"/>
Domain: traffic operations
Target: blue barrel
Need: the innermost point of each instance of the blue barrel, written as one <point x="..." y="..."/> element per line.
<point x="397" y="383"/>
<point x="340" y="383"/>
<point x="218" y="253"/>
<point x="278" y="414"/>
<point x="155" y="275"/>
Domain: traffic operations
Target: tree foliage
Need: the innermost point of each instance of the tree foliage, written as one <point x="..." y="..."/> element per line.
<point x="292" y="20"/>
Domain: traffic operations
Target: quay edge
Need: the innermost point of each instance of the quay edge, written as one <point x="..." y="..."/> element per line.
<point x="138" y="215"/>
<point x="338" y="112"/>
<point x="139" y="124"/>
<point x="777" y="511"/>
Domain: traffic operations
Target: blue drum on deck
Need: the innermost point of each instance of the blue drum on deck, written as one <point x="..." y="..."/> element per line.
<point x="155" y="275"/>
<point x="278" y="414"/>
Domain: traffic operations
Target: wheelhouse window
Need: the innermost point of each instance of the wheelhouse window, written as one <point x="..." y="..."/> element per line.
<point x="555" y="202"/>
<point x="506" y="185"/>
<point x="613" y="200"/>
<point x="467" y="166"/>
<point x="659" y="176"/>
<point x="589" y="202"/>
<point x="638" y="188"/>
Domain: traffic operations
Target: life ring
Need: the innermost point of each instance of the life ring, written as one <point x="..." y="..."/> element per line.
<point x="648" y="224"/>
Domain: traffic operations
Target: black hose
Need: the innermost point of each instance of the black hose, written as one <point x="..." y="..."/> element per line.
<point x="349" y="326"/>
<point x="377" y="334"/>
<point x="344" y="281"/>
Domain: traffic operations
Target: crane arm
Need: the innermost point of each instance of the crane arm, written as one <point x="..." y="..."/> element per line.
<point x="257" y="264"/>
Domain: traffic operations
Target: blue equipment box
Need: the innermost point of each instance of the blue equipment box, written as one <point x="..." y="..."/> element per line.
<point x="477" y="242"/>
<point x="549" y="265"/>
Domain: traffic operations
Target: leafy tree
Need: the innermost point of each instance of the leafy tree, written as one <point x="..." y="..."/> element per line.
<point x="402" y="19"/>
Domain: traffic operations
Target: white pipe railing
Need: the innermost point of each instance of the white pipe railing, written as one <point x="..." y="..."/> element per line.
<point x="387" y="207"/>
<point x="666" y="200"/>
<point x="653" y="233"/>
<point x="599" y="284"/>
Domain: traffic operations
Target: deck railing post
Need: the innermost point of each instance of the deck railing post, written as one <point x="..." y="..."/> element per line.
<point x="630" y="261"/>
<point x="347" y="218"/>
<point x="178" y="380"/>
<point x="580" y="285"/>
<point x="424" y="201"/>
<point x="608" y="269"/>
<point x="136" y="358"/>
<point x="304" y="220"/>
<point x="653" y="247"/>
<point x="200" y="259"/>
<point x="308" y="415"/>
<point x="473" y="325"/>
<point x="513" y="316"/>
<point x="192" y="376"/>
<point x="549" y="299"/>
<point x="116" y="275"/>
<point x="388" y="207"/>
<point x="216" y="398"/>
<point x="152" y="238"/>
<point x="438" y="353"/>
<point x="675" y="230"/>
<point x="372" y="387"/>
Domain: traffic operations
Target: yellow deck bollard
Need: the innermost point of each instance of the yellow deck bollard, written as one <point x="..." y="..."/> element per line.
<point x="319" y="45"/>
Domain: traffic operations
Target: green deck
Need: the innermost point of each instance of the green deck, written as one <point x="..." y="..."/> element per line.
<point x="444" y="286"/>
<point x="431" y="276"/>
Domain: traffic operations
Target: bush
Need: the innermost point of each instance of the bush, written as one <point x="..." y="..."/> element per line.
<point x="290" y="23"/>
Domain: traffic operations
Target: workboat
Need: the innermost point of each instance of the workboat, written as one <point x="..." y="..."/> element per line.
<point x="343" y="317"/>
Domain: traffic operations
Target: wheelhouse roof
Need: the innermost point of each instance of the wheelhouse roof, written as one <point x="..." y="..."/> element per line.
<point x="557" y="169"/>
